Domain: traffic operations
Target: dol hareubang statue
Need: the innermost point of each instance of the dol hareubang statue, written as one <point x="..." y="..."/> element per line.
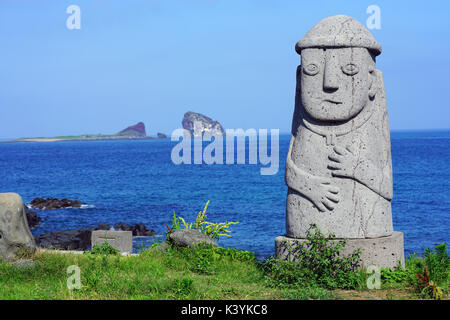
<point x="338" y="169"/>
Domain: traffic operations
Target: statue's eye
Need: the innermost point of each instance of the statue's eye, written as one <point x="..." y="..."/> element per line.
<point x="311" y="69"/>
<point x="350" y="69"/>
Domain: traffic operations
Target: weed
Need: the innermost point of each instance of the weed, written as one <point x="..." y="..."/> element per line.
<point x="316" y="261"/>
<point x="103" y="249"/>
<point x="211" y="229"/>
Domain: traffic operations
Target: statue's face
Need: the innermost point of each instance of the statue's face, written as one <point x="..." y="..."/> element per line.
<point x="335" y="82"/>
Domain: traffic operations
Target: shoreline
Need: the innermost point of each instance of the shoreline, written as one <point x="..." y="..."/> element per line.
<point x="48" y="140"/>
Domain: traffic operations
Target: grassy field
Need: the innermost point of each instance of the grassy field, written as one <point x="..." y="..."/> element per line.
<point x="202" y="273"/>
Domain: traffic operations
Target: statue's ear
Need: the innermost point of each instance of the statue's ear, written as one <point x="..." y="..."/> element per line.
<point x="374" y="82"/>
<point x="298" y="77"/>
<point x="296" y="117"/>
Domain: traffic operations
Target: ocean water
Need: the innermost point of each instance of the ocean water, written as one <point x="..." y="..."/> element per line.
<point x="136" y="182"/>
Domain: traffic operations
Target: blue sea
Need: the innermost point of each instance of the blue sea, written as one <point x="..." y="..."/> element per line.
<point x="136" y="182"/>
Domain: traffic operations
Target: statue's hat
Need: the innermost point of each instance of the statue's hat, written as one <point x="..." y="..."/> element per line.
<point x="338" y="31"/>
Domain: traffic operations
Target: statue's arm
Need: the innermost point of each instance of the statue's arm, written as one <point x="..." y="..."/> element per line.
<point x="378" y="177"/>
<point x="318" y="190"/>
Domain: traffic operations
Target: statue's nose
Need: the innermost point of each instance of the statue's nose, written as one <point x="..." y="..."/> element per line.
<point x="331" y="72"/>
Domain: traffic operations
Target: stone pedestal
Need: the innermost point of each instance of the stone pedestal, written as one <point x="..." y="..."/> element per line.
<point x="383" y="252"/>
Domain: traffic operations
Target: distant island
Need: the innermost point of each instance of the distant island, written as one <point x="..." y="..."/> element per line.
<point x="134" y="132"/>
<point x="198" y="124"/>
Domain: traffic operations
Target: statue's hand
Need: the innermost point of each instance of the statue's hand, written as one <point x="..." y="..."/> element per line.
<point x="318" y="190"/>
<point x="342" y="162"/>
<point x="323" y="194"/>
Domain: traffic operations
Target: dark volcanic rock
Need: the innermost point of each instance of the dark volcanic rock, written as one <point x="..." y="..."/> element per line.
<point x="138" y="130"/>
<point x="161" y="135"/>
<point x="53" y="203"/>
<point x="138" y="229"/>
<point x="32" y="218"/>
<point x="80" y="239"/>
<point x="77" y="239"/>
<point x="190" y="237"/>
<point x="198" y="123"/>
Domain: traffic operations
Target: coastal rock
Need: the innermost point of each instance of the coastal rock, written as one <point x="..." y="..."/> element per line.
<point x="137" y="130"/>
<point x="32" y="218"/>
<point x="190" y="237"/>
<point x="161" y="135"/>
<point x="15" y="235"/>
<point x="80" y="239"/>
<point x="198" y="124"/>
<point x="76" y="239"/>
<point x="137" y="230"/>
<point x="53" y="203"/>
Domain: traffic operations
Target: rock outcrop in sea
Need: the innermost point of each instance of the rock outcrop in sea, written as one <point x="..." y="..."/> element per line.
<point x="161" y="135"/>
<point x="198" y="124"/>
<point x="137" y="130"/>
<point x="53" y="203"/>
<point x="32" y="218"/>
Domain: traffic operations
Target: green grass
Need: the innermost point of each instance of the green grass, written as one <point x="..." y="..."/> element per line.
<point x="197" y="273"/>
<point x="174" y="274"/>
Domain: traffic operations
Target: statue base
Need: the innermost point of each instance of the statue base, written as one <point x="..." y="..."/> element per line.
<point x="383" y="252"/>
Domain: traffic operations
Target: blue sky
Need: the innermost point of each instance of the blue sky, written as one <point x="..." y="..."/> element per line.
<point x="232" y="60"/>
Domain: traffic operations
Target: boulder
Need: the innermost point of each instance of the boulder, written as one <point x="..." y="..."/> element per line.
<point x="190" y="237"/>
<point x="15" y="236"/>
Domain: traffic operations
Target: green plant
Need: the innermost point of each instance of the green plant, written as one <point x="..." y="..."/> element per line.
<point x="211" y="229"/>
<point x="437" y="262"/>
<point x="183" y="286"/>
<point x="428" y="288"/>
<point x="308" y="293"/>
<point x="103" y="249"/>
<point x="316" y="261"/>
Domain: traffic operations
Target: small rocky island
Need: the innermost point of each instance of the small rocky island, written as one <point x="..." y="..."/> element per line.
<point x="197" y="124"/>
<point x="133" y="132"/>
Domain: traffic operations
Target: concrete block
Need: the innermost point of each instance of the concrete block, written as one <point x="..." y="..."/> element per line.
<point x="121" y="240"/>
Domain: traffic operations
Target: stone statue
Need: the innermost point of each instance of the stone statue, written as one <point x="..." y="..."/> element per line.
<point x="15" y="236"/>
<point x="338" y="168"/>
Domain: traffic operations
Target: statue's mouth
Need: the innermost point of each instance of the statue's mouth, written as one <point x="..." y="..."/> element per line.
<point x="332" y="101"/>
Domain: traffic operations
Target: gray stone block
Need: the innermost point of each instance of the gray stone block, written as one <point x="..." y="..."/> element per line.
<point x="121" y="240"/>
<point x="383" y="252"/>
